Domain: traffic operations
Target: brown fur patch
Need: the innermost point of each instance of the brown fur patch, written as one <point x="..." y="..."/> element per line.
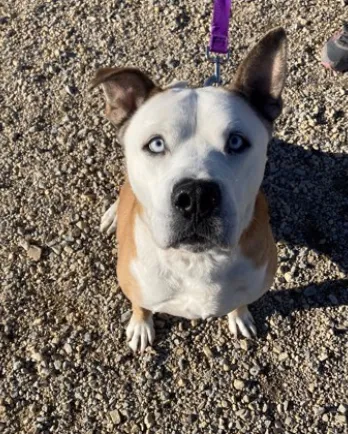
<point x="125" y="90"/>
<point x="261" y="76"/>
<point x="128" y="209"/>
<point x="257" y="242"/>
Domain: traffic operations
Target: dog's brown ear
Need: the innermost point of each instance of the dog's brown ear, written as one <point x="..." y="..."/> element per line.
<point x="261" y="77"/>
<point x="125" y="90"/>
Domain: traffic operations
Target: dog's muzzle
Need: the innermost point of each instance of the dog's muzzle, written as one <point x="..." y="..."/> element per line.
<point x="196" y="200"/>
<point x="196" y="207"/>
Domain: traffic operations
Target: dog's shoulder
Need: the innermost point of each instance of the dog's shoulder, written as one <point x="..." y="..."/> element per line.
<point x="257" y="242"/>
<point x="128" y="209"/>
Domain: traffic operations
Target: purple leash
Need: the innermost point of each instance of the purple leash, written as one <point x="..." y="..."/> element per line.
<point x="218" y="38"/>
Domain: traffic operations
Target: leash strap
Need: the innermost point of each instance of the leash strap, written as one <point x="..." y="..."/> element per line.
<point x="219" y="26"/>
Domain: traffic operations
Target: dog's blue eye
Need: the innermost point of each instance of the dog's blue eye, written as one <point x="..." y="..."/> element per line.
<point x="236" y="143"/>
<point x="156" y="145"/>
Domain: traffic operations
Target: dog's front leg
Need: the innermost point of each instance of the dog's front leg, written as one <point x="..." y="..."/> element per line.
<point x="140" y="330"/>
<point x="109" y="220"/>
<point x="242" y="319"/>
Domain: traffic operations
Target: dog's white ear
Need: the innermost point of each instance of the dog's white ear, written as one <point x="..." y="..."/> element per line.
<point x="261" y="76"/>
<point x="125" y="90"/>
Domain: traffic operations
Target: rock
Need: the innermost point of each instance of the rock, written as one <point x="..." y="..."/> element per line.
<point x="343" y="408"/>
<point x="36" y="356"/>
<point x="17" y="365"/>
<point x="69" y="250"/>
<point x="24" y="244"/>
<point x="255" y="370"/>
<point x="319" y="411"/>
<point x="288" y="421"/>
<point x="81" y="225"/>
<point x="57" y="364"/>
<point x="115" y="417"/>
<point x="341" y="419"/>
<point x="288" y="277"/>
<point x="56" y="249"/>
<point x="243" y="414"/>
<point x="325" y="417"/>
<point x="67" y="348"/>
<point x="238" y="384"/>
<point x="180" y="352"/>
<point x="34" y="253"/>
<point x="207" y="351"/>
<point x="149" y="420"/>
<point x="283" y="356"/>
<point x="181" y="382"/>
<point x="323" y="356"/>
<point x="245" y="344"/>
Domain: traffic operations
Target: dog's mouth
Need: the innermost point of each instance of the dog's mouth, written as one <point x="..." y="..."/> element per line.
<point x="194" y="243"/>
<point x="198" y="241"/>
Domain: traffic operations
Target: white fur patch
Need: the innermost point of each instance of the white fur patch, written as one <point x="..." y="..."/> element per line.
<point x="194" y="285"/>
<point x="140" y="333"/>
<point x="242" y="320"/>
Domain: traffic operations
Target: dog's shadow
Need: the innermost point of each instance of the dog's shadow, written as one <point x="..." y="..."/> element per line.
<point x="307" y="191"/>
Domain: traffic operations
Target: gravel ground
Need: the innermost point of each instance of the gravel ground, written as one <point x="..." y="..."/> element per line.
<point x="64" y="363"/>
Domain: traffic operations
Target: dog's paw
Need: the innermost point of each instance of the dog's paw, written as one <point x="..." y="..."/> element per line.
<point x="140" y="333"/>
<point x="109" y="220"/>
<point x="242" y="319"/>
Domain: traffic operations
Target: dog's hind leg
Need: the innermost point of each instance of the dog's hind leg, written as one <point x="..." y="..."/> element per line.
<point x="109" y="220"/>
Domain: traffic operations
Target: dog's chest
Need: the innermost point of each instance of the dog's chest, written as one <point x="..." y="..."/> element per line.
<point x="196" y="285"/>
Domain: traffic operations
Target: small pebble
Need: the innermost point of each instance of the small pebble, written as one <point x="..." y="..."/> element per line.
<point x="34" y="253"/>
<point x="149" y="420"/>
<point x="288" y="277"/>
<point x="207" y="351"/>
<point x="57" y="364"/>
<point x="115" y="417"/>
<point x="245" y="344"/>
<point x="67" y="348"/>
<point x="343" y="409"/>
<point x="283" y="356"/>
<point x="238" y="384"/>
<point x="341" y="419"/>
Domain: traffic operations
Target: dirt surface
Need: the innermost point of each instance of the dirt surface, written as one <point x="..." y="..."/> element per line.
<point x="64" y="363"/>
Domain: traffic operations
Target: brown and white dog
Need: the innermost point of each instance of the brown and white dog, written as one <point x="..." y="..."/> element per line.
<point x="192" y="225"/>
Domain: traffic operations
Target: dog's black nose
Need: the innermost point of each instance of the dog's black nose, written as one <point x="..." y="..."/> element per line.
<point x="195" y="198"/>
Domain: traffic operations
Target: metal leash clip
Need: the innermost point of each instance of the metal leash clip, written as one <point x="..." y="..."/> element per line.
<point x="217" y="52"/>
<point x="217" y="60"/>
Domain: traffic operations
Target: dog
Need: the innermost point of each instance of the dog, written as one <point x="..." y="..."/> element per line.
<point x="193" y="231"/>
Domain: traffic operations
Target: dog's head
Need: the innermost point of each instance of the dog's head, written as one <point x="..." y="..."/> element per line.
<point x="196" y="157"/>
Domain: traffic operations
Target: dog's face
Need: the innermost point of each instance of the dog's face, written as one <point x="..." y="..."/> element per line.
<point x="196" y="157"/>
<point x="195" y="160"/>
